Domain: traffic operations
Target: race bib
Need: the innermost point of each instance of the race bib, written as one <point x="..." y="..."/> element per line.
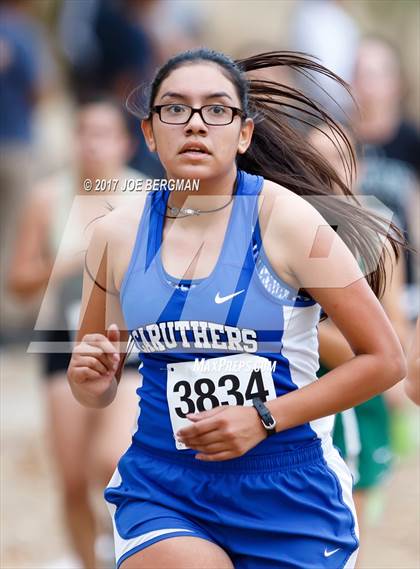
<point x="202" y="384"/>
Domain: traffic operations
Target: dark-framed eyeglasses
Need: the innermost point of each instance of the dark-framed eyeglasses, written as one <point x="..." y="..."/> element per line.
<point x="212" y="115"/>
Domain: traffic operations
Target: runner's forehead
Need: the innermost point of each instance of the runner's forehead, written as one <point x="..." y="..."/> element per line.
<point x="201" y="81"/>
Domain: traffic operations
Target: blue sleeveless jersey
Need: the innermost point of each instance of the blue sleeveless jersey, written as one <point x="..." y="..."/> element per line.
<point x="222" y="340"/>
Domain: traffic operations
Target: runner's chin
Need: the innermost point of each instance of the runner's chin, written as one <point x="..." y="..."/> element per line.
<point x="186" y="167"/>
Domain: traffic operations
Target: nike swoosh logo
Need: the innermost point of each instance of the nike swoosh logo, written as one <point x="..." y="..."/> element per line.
<point x="329" y="553"/>
<point x="220" y="299"/>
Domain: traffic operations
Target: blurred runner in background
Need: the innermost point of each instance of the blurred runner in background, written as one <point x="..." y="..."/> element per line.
<point x="112" y="54"/>
<point x="389" y="146"/>
<point x="49" y="253"/>
<point x="26" y="72"/>
<point x="324" y="29"/>
<point x="171" y="26"/>
<point x="362" y="433"/>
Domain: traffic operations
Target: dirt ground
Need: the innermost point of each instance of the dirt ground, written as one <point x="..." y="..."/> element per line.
<point x="32" y="534"/>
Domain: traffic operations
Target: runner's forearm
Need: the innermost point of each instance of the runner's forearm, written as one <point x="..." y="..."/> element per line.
<point x="348" y="385"/>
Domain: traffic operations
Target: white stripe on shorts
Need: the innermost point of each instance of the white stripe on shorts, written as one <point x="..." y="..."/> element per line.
<point x="351" y="441"/>
<point x="341" y="470"/>
<point x="123" y="546"/>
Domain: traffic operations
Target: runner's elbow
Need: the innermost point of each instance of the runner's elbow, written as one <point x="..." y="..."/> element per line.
<point x="394" y="368"/>
<point x="412" y="389"/>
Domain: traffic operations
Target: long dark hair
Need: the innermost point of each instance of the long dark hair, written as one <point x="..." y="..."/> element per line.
<point x="280" y="152"/>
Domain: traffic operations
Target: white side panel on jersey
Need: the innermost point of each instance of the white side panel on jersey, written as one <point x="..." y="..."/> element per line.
<point x="300" y="347"/>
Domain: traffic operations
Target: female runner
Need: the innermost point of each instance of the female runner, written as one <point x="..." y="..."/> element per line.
<point x="48" y="260"/>
<point x="232" y="463"/>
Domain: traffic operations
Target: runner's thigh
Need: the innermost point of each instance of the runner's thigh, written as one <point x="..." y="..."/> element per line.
<point x="181" y="552"/>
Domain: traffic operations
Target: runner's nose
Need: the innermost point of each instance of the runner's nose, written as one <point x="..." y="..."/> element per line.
<point x="196" y="125"/>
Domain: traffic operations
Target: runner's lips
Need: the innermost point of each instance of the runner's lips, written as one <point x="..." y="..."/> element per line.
<point x="194" y="147"/>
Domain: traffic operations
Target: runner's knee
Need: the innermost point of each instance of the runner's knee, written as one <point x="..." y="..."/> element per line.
<point x="75" y="489"/>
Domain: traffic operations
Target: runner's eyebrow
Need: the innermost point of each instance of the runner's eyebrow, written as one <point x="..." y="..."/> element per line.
<point x="175" y="95"/>
<point x="218" y="95"/>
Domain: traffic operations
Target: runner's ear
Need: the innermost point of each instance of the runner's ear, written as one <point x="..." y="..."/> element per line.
<point x="147" y="129"/>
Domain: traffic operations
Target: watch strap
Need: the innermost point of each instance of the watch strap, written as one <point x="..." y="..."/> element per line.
<point x="266" y="417"/>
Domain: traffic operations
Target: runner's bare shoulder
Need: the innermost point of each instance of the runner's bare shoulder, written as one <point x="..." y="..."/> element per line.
<point x="284" y="219"/>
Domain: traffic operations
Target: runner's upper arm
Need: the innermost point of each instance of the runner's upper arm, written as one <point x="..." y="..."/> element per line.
<point x="100" y="305"/>
<point x="29" y="260"/>
<point x="326" y="268"/>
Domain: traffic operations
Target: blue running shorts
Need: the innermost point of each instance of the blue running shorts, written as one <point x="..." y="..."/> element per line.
<point x="289" y="510"/>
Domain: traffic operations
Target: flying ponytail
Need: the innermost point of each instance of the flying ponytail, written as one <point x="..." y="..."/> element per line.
<point x="280" y="152"/>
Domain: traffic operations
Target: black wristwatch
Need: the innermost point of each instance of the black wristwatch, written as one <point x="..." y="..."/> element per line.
<point x="267" y="419"/>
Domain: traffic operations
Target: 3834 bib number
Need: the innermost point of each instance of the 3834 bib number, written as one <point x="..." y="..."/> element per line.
<point x="230" y="380"/>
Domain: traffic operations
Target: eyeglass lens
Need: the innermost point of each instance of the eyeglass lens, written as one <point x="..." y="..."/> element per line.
<point x="211" y="114"/>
